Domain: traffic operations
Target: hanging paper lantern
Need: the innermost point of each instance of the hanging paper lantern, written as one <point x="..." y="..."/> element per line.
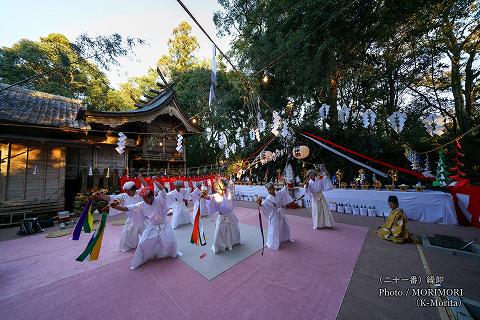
<point x="267" y="155"/>
<point x="301" y="152"/>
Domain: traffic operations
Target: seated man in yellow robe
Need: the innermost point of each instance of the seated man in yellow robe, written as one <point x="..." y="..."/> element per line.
<point x="395" y="228"/>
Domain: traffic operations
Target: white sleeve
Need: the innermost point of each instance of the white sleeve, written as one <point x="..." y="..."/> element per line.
<point x="212" y="205"/>
<point x="267" y="207"/>
<point x="113" y="197"/>
<point x="134" y="209"/>
<point x="186" y="194"/>
<point x="284" y="196"/>
<point x="326" y="184"/>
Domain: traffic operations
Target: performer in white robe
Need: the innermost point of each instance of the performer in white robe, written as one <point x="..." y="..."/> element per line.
<point x="134" y="224"/>
<point x="158" y="238"/>
<point x="321" y="215"/>
<point x="227" y="232"/>
<point x="199" y="201"/>
<point x="180" y="211"/>
<point x="273" y="207"/>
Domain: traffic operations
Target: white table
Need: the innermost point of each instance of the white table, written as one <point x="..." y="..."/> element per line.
<point x="427" y="206"/>
<point x="249" y="192"/>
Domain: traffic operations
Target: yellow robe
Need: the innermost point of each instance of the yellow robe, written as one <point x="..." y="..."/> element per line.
<point x="395" y="228"/>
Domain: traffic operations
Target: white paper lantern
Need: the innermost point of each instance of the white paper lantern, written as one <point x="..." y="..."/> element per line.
<point x="301" y="152"/>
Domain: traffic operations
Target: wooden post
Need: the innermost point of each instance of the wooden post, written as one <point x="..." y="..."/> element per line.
<point x="95" y="178"/>
<point x="115" y="179"/>
<point x="26" y="174"/>
<point x="4" y="163"/>
<point x="84" y="180"/>
<point x="105" y="178"/>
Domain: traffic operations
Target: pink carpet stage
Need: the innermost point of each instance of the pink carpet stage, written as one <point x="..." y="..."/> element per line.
<point x="40" y="279"/>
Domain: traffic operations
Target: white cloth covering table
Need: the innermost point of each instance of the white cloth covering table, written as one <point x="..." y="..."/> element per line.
<point x="426" y="206"/>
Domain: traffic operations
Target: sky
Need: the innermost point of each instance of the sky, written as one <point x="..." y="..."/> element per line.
<point x="150" y="20"/>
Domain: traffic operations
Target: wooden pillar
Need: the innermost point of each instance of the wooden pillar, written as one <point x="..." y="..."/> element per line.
<point x="95" y="178"/>
<point x="84" y="180"/>
<point x="4" y="164"/>
<point x="26" y="174"/>
<point x="105" y="178"/>
<point x="115" y="179"/>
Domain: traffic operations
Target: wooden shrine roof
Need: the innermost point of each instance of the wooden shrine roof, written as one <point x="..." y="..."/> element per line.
<point x="20" y="105"/>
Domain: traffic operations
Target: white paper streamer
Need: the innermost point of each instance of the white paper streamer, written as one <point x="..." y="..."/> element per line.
<point x="435" y="124"/>
<point x="369" y="117"/>
<point x="343" y="114"/>
<point x="397" y="121"/>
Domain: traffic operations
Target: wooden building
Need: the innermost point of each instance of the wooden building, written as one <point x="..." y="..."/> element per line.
<point x="52" y="147"/>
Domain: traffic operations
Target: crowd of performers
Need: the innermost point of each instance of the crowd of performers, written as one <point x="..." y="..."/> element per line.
<point x="148" y="230"/>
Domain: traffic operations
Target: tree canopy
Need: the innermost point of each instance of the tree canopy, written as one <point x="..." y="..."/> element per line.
<point x="71" y="69"/>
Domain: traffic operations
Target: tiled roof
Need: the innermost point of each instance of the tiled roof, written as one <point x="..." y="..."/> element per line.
<point x="20" y="105"/>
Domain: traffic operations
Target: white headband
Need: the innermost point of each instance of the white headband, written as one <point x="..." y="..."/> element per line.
<point x="128" y="185"/>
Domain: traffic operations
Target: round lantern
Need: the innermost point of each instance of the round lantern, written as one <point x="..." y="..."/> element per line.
<point x="301" y="152"/>
<point x="267" y="155"/>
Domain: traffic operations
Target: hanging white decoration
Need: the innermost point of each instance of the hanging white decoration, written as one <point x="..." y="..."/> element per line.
<point x="288" y="173"/>
<point x="397" y="121"/>
<point x="179" y="143"/>
<point x="262" y="125"/>
<point x="324" y="109"/>
<point x="276" y="123"/>
<point x="257" y="134"/>
<point x="226" y="152"/>
<point x="233" y="147"/>
<point x="108" y="173"/>
<point x="35" y="169"/>
<point x="252" y="134"/>
<point x="285" y="131"/>
<point x="90" y="171"/>
<point x="435" y="124"/>
<point x="121" y="143"/>
<point x="343" y="114"/>
<point x="369" y="117"/>
<point x="222" y="140"/>
<point x="242" y="142"/>
<point x="426" y="171"/>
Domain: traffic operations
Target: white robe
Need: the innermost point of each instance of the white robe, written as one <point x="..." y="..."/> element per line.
<point x="158" y="238"/>
<point x="278" y="226"/>
<point x="176" y="200"/>
<point x="199" y="202"/>
<point x="321" y="215"/>
<point x="227" y="232"/>
<point x="135" y="223"/>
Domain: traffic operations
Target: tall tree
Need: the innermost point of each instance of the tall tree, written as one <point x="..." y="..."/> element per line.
<point x="181" y="49"/>
<point x="56" y="65"/>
